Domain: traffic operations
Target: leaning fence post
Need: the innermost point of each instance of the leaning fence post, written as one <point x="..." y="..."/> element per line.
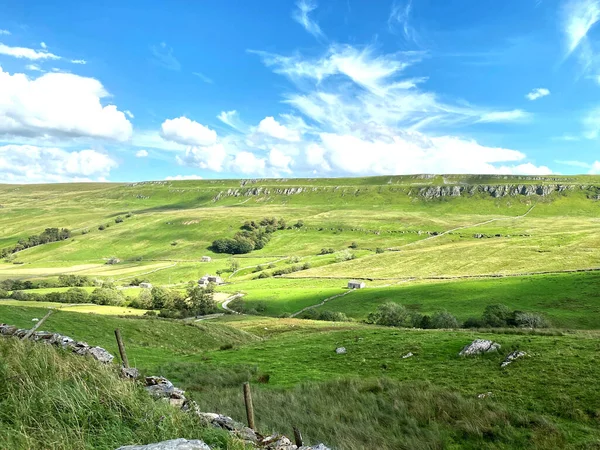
<point x="249" y="406"/>
<point x="121" y="348"/>
<point x="298" y="437"/>
<point x="37" y="325"/>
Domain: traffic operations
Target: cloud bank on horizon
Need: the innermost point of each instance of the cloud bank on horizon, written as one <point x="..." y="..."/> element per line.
<point x="334" y="90"/>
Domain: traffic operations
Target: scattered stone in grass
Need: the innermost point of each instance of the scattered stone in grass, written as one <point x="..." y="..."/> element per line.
<point x="485" y="395"/>
<point x="130" y="372"/>
<point x="101" y="355"/>
<point x="174" y="444"/>
<point x="340" y="350"/>
<point x="408" y="355"/>
<point x="513" y="356"/>
<point x="479" y="346"/>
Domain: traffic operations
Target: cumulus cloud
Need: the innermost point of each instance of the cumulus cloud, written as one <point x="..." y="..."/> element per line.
<point x="4" y="32"/>
<point x="141" y="154"/>
<point x="595" y="169"/>
<point x="183" y="177"/>
<point x="43" y="45"/>
<point x="538" y="93"/>
<point x="273" y="128"/>
<point x="591" y="124"/>
<point x="187" y="132"/>
<point x="279" y="161"/>
<point x="247" y="163"/>
<point x="26" y="53"/>
<point x="58" y="105"/>
<point x="302" y="16"/>
<point x="211" y="157"/>
<point x="33" y="164"/>
<point x="34" y="68"/>
<point x="129" y="114"/>
<point x="79" y="61"/>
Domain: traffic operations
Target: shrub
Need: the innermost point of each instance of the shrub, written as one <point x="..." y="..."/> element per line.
<point x="354" y="245"/>
<point x="106" y="296"/>
<point x="102" y="228"/>
<point x="345" y="255"/>
<point x="174" y="243"/>
<point x="226" y="347"/>
<point x="379" y="250"/>
<point x="128" y="215"/>
<point x="390" y="314"/>
<point x="119" y="219"/>
<point x="76" y="295"/>
<point x="299" y="224"/>
<point x="85" y="231"/>
<point x="473" y="322"/>
<point x="496" y="315"/>
<point x="113" y="260"/>
<point x="3" y="293"/>
<point x="305" y="266"/>
<point x="258" y="269"/>
<point x="326" y="251"/>
<point x="263" y="275"/>
<point x="529" y="320"/>
<point x="444" y="319"/>
<point x="294" y="259"/>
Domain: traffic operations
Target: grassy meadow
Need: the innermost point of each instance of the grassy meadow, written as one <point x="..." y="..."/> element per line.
<point x="538" y="254"/>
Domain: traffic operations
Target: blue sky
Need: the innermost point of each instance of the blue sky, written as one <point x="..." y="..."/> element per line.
<point x="129" y="91"/>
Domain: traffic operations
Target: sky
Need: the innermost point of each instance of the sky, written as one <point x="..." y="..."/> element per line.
<point x="213" y="89"/>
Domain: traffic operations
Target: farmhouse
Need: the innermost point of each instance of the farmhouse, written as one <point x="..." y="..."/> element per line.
<point x="146" y="285"/>
<point x="210" y="279"/>
<point x="206" y="259"/>
<point x="354" y="284"/>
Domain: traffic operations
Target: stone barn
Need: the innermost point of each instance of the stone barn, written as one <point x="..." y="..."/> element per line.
<point x="355" y="284"/>
<point x="206" y="259"/>
<point x="146" y="285"/>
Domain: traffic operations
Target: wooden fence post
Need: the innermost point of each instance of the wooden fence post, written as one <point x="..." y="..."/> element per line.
<point x="298" y="437"/>
<point x="249" y="406"/>
<point x="121" y="348"/>
<point x="37" y="325"/>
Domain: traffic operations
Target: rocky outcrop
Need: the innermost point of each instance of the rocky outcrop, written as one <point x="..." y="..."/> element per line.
<point x="256" y="191"/>
<point x="58" y="340"/>
<point x="160" y="387"/>
<point x="479" y="346"/>
<point x="512" y="357"/>
<point x="496" y="191"/>
<point x="174" y="444"/>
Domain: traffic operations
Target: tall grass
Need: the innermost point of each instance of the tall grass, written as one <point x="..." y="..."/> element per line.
<point x="353" y="414"/>
<point x="50" y="399"/>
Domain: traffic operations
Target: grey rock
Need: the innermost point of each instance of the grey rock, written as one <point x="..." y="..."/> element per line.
<point x="160" y="387"/>
<point x="513" y="356"/>
<point x="315" y="447"/>
<point x="277" y="442"/>
<point x="174" y="444"/>
<point x="130" y="372"/>
<point x="408" y="355"/>
<point x="479" y="346"/>
<point x="341" y="350"/>
<point x="100" y="354"/>
<point x="227" y="423"/>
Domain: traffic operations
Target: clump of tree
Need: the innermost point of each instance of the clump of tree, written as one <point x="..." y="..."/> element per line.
<point x="290" y="269"/>
<point x="99" y="296"/>
<point x="47" y="236"/>
<point x="195" y="301"/>
<point x="392" y="314"/>
<point x="328" y="316"/>
<point x="62" y="281"/>
<point x="345" y="255"/>
<point x="253" y="236"/>
<point x="500" y="316"/>
<point x="326" y="251"/>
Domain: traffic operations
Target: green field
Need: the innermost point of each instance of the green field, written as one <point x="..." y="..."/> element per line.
<point x="533" y="253"/>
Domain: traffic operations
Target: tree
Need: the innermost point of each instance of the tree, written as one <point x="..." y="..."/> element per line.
<point x="234" y="265"/>
<point x="529" y="320"/>
<point x="496" y="315"/>
<point x="76" y="295"/>
<point x="160" y="298"/>
<point x="105" y="296"/>
<point x="200" y="301"/>
<point x="144" y="300"/>
<point x="390" y="314"/>
<point x="443" y="319"/>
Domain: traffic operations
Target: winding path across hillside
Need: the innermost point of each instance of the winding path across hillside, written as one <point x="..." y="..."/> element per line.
<point x="322" y="303"/>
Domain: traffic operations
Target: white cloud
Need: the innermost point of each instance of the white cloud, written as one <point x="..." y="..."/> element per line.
<point x="400" y="14"/>
<point x="187" y="132"/>
<point x="27" y="53"/>
<point x="580" y="16"/>
<point x="203" y="77"/>
<point x="279" y="161"/>
<point x="141" y="154"/>
<point x="183" y="177"/>
<point x="153" y="139"/>
<point x="43" y="45"/>
<point x="58" y="105"/>
<point x="33" y="164"/>
<point x="79" y="61"/>
<point x="204" y="157"/>
<point x="504" y="116"/>
<point x="163" y="55"/>
<point x="595" y="169"/>
<point x="247" y="163"/>
<point x="302" y="16"/>
<point x="129" y="114"/>
<point x="4" y="32"/>
<point x="34" y="68"/>
<point x="232" y="118"/>
<point x="538" y="93"/>
<point x="591" y="124"/>
<point x="271" y="127"/>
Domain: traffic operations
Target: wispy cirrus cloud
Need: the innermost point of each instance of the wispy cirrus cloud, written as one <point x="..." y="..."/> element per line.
<point x="537" y="93"/>
<point x="163" y="55"/>
<point x="579" y="18"/>
<point x="26" y="53"/>
<point x="203" y="77"/>
<point x="400" y="16"/>
<point x="5" y="33"/>
<point x="302" y="16"/>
